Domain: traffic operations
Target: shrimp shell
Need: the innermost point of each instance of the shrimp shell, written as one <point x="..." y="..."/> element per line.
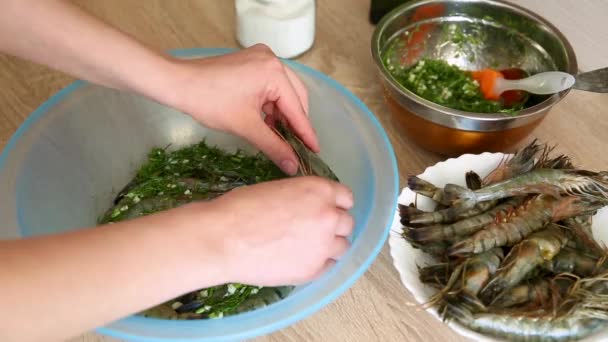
<point x="428" y="189"/>
<point x="529" y="217"/>
<point x="464" y="227"/>
<point x="309" y="162"/>
<point x="535" y="294"/>
<point x="521" y="162"/>
<point x="468" y="278"/>
<point x="553" y="182"/>
<point x="575" y="262"/>
<point x="437" y="274"/>
<point x="447" y="215"/>
<point x="522" y="259"/>
<point x="417" y="218"/>
<point x="587" y="313"/>
<point x="424" y="188"/>
<point x="583" y="235"/>
<point x="534" y="329"/>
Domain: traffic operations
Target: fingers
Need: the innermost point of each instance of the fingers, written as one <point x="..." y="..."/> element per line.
<point x="269" y="143"/>
<point x="299" y="87"/>
<point x="345" y="224"/>
<point x="344" y="196"/>
<point x="329" y="263"/>
<point x="288" y="103"/>
<point x="339" y="247"/>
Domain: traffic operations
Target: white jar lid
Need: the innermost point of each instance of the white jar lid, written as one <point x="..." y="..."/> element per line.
<point x="286" y="26"/>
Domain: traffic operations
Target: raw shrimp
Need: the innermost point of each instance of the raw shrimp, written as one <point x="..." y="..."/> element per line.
<point x="469" y="277"/>
<point x="438" y="249"/>
<point x="526" y="328"/>
<point x="447" y="215"/>
<point x="521" y="162"/>
<point x="424" y="188"/>
<point x="582" y="313"/>
<point x="583" y="236"/>
<point x="414" y="218"/>
<point x="450" y="232"/>
<point x="538" y="293"/>
<point x="529" y="217"/>
<point x="309" y="162"/>
<point x="436" y="274"/>
<point x="419" y="218"/>
<point x="524" y="257"/>
<point x="575" y="262"/>
<point x="553" y="182"/>
<point x="428" y="189"/>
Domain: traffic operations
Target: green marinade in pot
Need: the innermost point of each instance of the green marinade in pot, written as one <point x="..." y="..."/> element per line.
<point x="447" y="85"/>
<point x="197" y="172"/>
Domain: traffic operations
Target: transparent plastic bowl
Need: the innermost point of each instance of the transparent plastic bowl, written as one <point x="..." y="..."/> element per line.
<point x="64" y="165"/>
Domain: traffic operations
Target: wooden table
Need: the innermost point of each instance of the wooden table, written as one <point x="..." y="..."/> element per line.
<point x="377" y="307"/>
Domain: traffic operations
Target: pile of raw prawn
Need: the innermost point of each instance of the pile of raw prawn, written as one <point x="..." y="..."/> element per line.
<point x="516" y="256"/>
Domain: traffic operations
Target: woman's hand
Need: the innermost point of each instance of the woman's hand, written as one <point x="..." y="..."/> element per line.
<point x="284" y="232"/>
<point x="230" y="92"/>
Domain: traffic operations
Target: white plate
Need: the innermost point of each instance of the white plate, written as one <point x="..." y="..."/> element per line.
<point x="406" y="258"/>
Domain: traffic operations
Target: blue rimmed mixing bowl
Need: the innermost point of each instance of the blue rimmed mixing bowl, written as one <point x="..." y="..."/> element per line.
<point x="64" y="165"/>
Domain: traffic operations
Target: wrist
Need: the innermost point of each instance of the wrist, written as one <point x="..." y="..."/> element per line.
<point x="202" y="243"/>
<point x="164" y="84"/>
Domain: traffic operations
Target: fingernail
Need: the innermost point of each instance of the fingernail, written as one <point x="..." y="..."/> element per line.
<point x="289" y="166"/>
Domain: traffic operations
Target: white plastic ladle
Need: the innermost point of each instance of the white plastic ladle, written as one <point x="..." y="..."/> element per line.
<point x="543" y="83"/>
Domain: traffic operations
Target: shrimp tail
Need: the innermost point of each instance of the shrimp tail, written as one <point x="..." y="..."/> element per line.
<point x="435" y="248"/>
<point x="437" y="274"/>
<point x="426" y="234"/>
<point x="581" y="229"/>
<point x="424" y="188"/>
<point x="561" y="162"/>
<point x="521" y="162"/>
<point x="471" y="301"/>
<point x="460" y="306"/>
<point x="453" y="310"/>
<point x="407" y="212"/>
<point x="413" y="235"/>
<point x="461" y="248"/>
<point x="473" y="180"/>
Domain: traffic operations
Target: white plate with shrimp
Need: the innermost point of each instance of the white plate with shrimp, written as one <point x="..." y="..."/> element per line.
<point x="406" y="259"/>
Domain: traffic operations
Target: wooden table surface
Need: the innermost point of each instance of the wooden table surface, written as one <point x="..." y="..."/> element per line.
<point x="377" y="307"/>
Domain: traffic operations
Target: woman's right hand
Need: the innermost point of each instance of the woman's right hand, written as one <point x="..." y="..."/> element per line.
<point x="284" y="232"/>
<point x="230" y="92"/>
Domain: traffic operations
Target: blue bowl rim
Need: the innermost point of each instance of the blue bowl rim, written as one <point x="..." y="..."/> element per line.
<point x="269" y="328"/>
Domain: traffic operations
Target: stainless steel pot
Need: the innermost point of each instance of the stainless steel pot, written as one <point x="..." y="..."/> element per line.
<point x="471" y="34"/>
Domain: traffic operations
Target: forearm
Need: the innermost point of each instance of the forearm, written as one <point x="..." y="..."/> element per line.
<point x="77" y="281"/>
<point x="58" y="34"/>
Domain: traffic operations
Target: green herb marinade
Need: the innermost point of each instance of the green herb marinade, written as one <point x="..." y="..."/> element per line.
<point x="447" y="85"/>
<point x="196" y="172"/>
<point x="439" y="81"/>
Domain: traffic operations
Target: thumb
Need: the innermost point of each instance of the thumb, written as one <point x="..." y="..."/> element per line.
<point x="274" y="147"/>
